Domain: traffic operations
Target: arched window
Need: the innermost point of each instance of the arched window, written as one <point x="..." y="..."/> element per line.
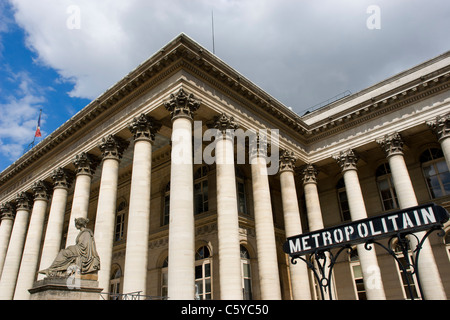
<point x="201" y="190"/>
<point x="203" y="274"/>
<point x="164" y="278"/>
<point x="436" y="172"/>
<point x="343" y="201"/>
<point x="166" y="207"/>
<point x="246" y="274"/>
<point x="120" y="221"/>
<point x="386" y="187"/>
<point x="114" y="282"/>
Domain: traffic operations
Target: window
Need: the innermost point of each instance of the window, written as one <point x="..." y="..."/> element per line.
<point x="120" y="221"/>
<point x="355" y="266"/>
<point x="201" y="190"/>
<point x="386" y="187"/>
<point x="406" y="276"/>
<point x="203" y="274"/>
<point x="447" y="243"/>
<point x="343" y="201"/>
<point x="164" y="278"/>
<point x="246" y="274"/>
<point x="114" y="282"/>
<point x="240" y="190"/>
<point x="166" y="208"/>
<point x="436" y="172"/>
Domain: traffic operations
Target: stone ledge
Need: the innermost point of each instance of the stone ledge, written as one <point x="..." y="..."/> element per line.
<point x="61" y="288"/>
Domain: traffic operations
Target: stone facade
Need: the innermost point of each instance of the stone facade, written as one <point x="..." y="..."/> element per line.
<point x="169" y="222"/>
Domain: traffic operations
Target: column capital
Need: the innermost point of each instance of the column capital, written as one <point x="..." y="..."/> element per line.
<point x="7" y="211"/>
<point x="287" y="161"/>
<point x="347" y="160"/>
<point x="182" y="105"/>
<point x="392" y="144"/>
<point x="144" y="127"/>
<point x="62" y="178"/>
<point x="224" y="124"/>
<point x="85" y="163"/>
<point x="23" y="201"/>
<point x="41" y="190"/>
<point x="112" y="147"/>
<point x="309" y="173"/>
<point x="441" y="126"/>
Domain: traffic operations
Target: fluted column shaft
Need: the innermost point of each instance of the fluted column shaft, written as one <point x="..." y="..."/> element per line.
<point x="428" y="271"/>
<point x="136" y="258"/>
<point x="315" y="220"/>
<point x="227" y="212"/>
<point x="181" y="268"/>
<point x="369" y="263"/>
<point x="15" y="248"/>
<point x="313" y="209"/>
<point x="299" y="271"/>
<point x="85" y="167"/>
<point x="6" y="225"/>
<point x="265" y="231"/>
<point x="30" y="257"/>
<point x="54" y="232"/>
<point x="112" y="149"/>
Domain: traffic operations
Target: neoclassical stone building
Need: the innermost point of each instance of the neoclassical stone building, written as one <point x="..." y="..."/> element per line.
<point x="175" y="215"/>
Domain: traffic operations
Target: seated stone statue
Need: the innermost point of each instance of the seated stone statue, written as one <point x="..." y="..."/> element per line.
<point x="81" y="257"/>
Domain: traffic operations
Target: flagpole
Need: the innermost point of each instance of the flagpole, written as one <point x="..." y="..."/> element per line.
<point x="37" y="133"/>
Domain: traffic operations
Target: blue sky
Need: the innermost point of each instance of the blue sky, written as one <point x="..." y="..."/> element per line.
<point x="26" y="87"/>
<point x="58" y="55"/>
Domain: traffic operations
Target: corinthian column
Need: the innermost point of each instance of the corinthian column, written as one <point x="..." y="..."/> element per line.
<point x="227" y="211"/>
<point x="292" y="224"/>
<point x="15" y="248"/>
<point x="265" y="231"/>
<point x="441" y="127"/>
<point x="181" y="271"/>
<point x="85" y="165"/>
<point x="30" y="257"/>
<point x="371" y="272"/>
<point x="62" y="179"/>
<point x="7" y="221"/>
<point x="314" y="213"/>
<point x="135" y="277"/>
<point x="112" y="148"/>
<point x="429" y="274"/>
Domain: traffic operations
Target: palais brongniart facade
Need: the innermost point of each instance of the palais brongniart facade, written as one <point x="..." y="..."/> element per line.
<point x="191" y="179"/>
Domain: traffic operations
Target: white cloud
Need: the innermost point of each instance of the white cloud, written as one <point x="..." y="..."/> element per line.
<point x="301" y="52"/>
<point x="19" y="114"/>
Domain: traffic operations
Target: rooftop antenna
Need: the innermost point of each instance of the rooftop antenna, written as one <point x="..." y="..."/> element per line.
<point x="212" y="30"/>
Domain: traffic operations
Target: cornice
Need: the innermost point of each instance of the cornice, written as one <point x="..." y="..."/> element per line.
<point x="181" y="53"/>
<point x="184" y="53"/>
<point x="380" y="105"/>
<point x="123" y="96"/>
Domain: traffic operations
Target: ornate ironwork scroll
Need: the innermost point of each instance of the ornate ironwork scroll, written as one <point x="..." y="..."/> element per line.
<point x="400" y="227"/>
<point x="321" y="263"/>
<point x="410" y="264"/>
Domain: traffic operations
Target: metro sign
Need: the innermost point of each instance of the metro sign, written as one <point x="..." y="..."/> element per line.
<point x="409" y="220"/>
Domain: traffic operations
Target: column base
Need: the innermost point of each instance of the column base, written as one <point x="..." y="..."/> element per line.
<point x="63" y="288"/>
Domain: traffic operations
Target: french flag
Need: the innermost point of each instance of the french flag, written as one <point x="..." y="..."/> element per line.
<point x="37" y="134"/>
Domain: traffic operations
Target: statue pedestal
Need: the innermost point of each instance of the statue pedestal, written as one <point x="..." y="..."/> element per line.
<point x="83" y="287"/>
